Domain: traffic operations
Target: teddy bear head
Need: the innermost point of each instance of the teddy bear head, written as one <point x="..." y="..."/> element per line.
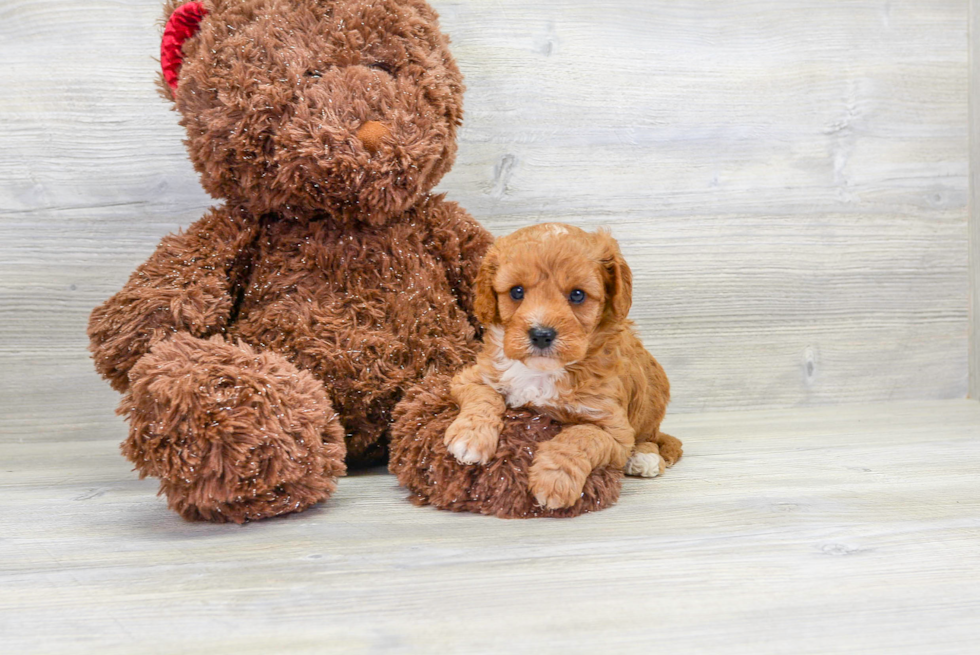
<point x="347" y="108"/>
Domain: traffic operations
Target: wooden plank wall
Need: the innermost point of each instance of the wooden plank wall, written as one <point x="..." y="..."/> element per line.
<point x="974" y="221"/>
<point x="789" y="181"/>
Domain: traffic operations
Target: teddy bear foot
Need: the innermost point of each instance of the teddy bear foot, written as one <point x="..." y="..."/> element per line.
<point x="501" y="487"/>
<point x="234" y="434"/>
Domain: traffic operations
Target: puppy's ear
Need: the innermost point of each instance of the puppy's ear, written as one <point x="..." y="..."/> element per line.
<point x="485" y="298"/>
<point x="618" y="278"/>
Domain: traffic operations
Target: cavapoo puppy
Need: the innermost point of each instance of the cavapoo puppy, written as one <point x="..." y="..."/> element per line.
<point x="554" y="299"/>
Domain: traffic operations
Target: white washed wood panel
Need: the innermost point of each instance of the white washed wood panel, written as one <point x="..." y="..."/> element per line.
<point x="788" y="181"/>
<point x="816" y="530"/>
<point x="974" y="221"/>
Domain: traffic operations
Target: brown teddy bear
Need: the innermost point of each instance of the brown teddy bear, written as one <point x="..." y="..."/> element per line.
<point x="273" y="338"/>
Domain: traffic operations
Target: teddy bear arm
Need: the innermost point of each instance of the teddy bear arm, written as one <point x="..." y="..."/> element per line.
<point x="460" y="242"/>
<point x="187" y="285"/>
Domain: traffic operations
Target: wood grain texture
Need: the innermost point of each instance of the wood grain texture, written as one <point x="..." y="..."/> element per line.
<point x="788" y="181"/>
<point x="815" y="530"/>
<point x="974" y="204"/>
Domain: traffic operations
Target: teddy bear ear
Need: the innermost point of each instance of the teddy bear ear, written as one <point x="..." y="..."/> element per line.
<point x="183" y="23"/>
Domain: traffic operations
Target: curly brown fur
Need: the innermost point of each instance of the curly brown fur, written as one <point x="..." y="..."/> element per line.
<point x="324" y="124"/>
<point x="367" y="311"/>
<point x="273" y="92"/>
<point x="233" y="434"/>
<point x="501" y="487"/>
<point x="556" y="301"/>
<point x="188" y="285"/>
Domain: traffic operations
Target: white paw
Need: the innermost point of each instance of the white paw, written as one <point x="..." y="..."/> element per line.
<point x="645" y="465"/>
<point x="472" y="442"/>
<point x="465" y="452"/>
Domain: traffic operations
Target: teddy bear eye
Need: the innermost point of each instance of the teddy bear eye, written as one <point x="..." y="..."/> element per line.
<point x="576" y="297"/>
<point x="382" y="66"/>
<point x="517" y="293"/>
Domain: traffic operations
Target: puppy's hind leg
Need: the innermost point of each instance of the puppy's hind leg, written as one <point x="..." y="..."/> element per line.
<point x="670" y="448"/>
<point x="652" y="458"/>
<point x="645" y="462"/>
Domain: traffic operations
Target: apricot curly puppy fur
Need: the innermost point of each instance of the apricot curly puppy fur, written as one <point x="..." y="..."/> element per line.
<point x="555" y="299"/>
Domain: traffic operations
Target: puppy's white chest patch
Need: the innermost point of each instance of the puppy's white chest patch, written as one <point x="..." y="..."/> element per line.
<point x="521" y="385"/>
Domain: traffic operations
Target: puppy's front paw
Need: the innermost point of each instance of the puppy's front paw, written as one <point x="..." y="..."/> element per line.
<point x="473" y="440"/>
<point x="556" y="480"/>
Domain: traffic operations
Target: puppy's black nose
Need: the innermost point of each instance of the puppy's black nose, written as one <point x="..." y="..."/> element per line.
<point x="542" y="337"/>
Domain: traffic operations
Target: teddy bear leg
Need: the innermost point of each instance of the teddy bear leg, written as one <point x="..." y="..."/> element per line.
<point x="501" y="487"/>
<point x="234" y="434"/>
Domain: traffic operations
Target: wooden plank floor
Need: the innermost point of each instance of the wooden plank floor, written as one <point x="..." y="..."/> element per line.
<point x="847" y="529"/>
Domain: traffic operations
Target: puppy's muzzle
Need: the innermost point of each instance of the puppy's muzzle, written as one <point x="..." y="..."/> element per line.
<point x="542" y="338"/>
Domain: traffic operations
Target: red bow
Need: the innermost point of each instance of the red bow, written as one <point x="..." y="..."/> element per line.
<point x="182" y="25"/>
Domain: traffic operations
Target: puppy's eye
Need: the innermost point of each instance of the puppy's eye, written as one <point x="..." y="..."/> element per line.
<point x="517" y="293"/>
<point x="576" y="297"/>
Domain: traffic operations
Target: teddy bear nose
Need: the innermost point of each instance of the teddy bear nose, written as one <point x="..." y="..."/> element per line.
<point x="371" y="134"/>
<point x="542" y="337"/>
